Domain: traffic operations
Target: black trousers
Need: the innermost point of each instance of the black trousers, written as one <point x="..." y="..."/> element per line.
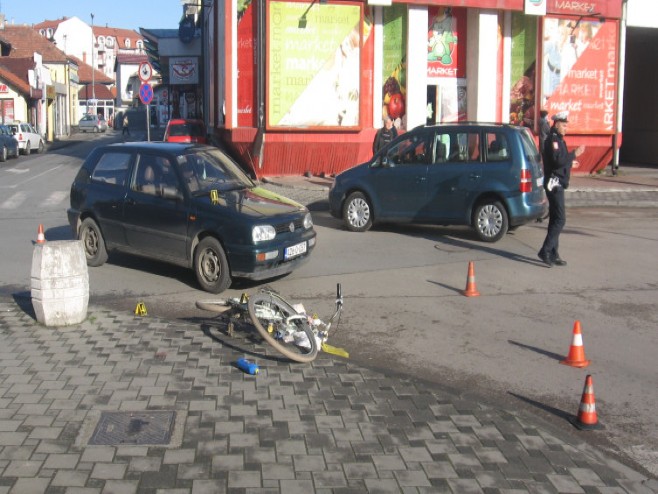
<point x="557" y="219"/>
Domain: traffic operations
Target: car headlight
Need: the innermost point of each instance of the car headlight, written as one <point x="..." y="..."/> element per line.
<point x="261" y="233"/>
<point x="308" y="221"/>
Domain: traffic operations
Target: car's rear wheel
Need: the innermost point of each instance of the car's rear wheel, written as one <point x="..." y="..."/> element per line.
<point x="3" y="154"/>
<point x="28" y="148"/>
<point x="490" y="221"/>
<point x="93" y="243"/>
<point x="357" y="212"/>
<point x="211" y="266"/>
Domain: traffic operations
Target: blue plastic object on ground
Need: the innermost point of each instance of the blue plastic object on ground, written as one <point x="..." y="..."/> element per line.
<point x="246" y="366"/>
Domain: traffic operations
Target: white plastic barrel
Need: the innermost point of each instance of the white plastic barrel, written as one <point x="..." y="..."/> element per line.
<point x="60" y="283"/>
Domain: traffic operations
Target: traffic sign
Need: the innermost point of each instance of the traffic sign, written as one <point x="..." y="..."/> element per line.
<point x="145" y="71"/>
<point x="146" y="93"/>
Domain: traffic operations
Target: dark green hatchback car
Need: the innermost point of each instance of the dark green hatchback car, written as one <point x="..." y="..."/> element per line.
<point x="487" y="176"/>
<point x="189" y="205"/>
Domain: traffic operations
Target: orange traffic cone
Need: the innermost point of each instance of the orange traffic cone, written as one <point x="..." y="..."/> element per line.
<point x="587" y="419"/>
<point x="576" y="357"/>
<point x="471" y="290"/>
<point x="41" y="238"/>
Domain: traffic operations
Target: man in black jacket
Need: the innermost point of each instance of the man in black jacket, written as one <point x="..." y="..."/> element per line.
<point x="384" y="135"/>
<point x="557" y="171"/>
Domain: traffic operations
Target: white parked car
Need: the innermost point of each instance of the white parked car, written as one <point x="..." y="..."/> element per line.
<point x="28" y="138"/>
<point x="92" y="123"/>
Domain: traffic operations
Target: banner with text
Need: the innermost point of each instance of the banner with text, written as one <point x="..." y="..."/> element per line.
<point x="579" y="72"/>
<point x="313" y="65"/>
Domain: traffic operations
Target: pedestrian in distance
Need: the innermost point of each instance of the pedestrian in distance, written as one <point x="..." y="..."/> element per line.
<point x="558" y="162"/>
<point x="384" y="135"/>
<point x="124" y="123"/>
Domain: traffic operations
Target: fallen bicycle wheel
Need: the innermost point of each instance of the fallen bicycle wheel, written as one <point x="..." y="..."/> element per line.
<point x="283" y="327"/>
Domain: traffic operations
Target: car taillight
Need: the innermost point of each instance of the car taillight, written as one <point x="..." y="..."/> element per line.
<point x="20" y="137"/>
<point x="526" y="181"/>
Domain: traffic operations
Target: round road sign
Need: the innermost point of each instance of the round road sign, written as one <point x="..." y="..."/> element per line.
<point x="146" y="93"/>
<point x="145" y="71"/>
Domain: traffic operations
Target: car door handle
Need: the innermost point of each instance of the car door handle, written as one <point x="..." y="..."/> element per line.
<point x="421" y="179"/>
<point x="130" y="201"/>
<point x="474" y="176"/>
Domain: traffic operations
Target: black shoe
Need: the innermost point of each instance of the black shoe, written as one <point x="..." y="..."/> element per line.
<point x="559" y="262"/>
<point x="545" y="259"/>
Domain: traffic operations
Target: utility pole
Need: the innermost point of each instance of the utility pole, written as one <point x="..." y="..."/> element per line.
<point x="93" y="61"/>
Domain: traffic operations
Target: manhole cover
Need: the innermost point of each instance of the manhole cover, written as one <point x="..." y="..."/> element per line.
<point x="133" y="428"/>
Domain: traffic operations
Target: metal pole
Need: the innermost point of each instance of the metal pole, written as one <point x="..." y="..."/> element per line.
<point x="93" y="69"/>
<point x="148" y="123"/>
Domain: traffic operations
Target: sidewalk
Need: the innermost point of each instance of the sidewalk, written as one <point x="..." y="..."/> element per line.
<point x="633" y="186"/>
<point x="134" y="404"/>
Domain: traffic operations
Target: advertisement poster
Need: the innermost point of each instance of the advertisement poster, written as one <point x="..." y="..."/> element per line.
<point x="451" y="96"/>
<point x="394" y="65"/>
<point x="313" y="65"/>
<point x="246" y="56"/>
<point x="579" y="72"/>
<point x="446" y="42"/>
<point x="522" y="70"/>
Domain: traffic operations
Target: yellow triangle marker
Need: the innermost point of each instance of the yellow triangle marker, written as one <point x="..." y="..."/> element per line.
<point x="335" y="350"/>
<point x="140" y="310"/>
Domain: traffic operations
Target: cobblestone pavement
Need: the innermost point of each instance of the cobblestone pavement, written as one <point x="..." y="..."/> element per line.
<point x="132" y="404"/>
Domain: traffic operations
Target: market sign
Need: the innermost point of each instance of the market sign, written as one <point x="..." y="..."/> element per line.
<point x="599" y="8"/>
<point x="4" y="88"/>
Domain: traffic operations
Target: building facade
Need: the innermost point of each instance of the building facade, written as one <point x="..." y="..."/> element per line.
<point x="302" y="86"/>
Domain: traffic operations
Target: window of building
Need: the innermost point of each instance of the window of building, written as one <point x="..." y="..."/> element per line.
<point x="140" y="45"/>
<point x="127" y="42"/>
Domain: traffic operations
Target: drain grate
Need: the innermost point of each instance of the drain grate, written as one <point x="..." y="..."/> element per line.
<point x="141" y="428"/>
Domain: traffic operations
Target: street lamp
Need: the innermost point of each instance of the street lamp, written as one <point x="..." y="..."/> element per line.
<point x="93" y="70"/>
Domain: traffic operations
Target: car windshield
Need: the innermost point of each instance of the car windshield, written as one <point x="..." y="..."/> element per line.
<point x="211" y="169"/>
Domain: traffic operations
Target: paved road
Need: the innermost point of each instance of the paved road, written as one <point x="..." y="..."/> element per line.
<point x="332" y="426"/>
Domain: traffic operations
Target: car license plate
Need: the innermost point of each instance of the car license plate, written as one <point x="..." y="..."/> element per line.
<point x="540" y="182"/>
<point x="295" y="250"/>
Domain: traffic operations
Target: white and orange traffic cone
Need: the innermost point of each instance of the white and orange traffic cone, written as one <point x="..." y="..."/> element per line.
<point x="576" y="357"/>
<point x="471" y="290"/>
<point x="587" y="419"/>
<point x="41" y="238"/>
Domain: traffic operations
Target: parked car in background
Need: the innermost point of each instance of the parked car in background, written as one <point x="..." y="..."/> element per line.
<point x="488" y="176"/>
<point x="92" y="123"/>
<point x="185" y="130"/>
<point x="8" y="142"/>
<point x="190" y="205"/>
<point x="28" y="138"/>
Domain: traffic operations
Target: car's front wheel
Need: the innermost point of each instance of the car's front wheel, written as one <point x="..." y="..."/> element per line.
<point x="490" y="221"/>
<point x="357" y="212"/>
<point x="40" y="150"/>
<point x="3" y="154"/>
<point x="93" y="243"/>
<point x="211" y="266"/>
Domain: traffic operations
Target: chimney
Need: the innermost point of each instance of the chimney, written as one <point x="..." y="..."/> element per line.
<point x="2" y="21"/>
